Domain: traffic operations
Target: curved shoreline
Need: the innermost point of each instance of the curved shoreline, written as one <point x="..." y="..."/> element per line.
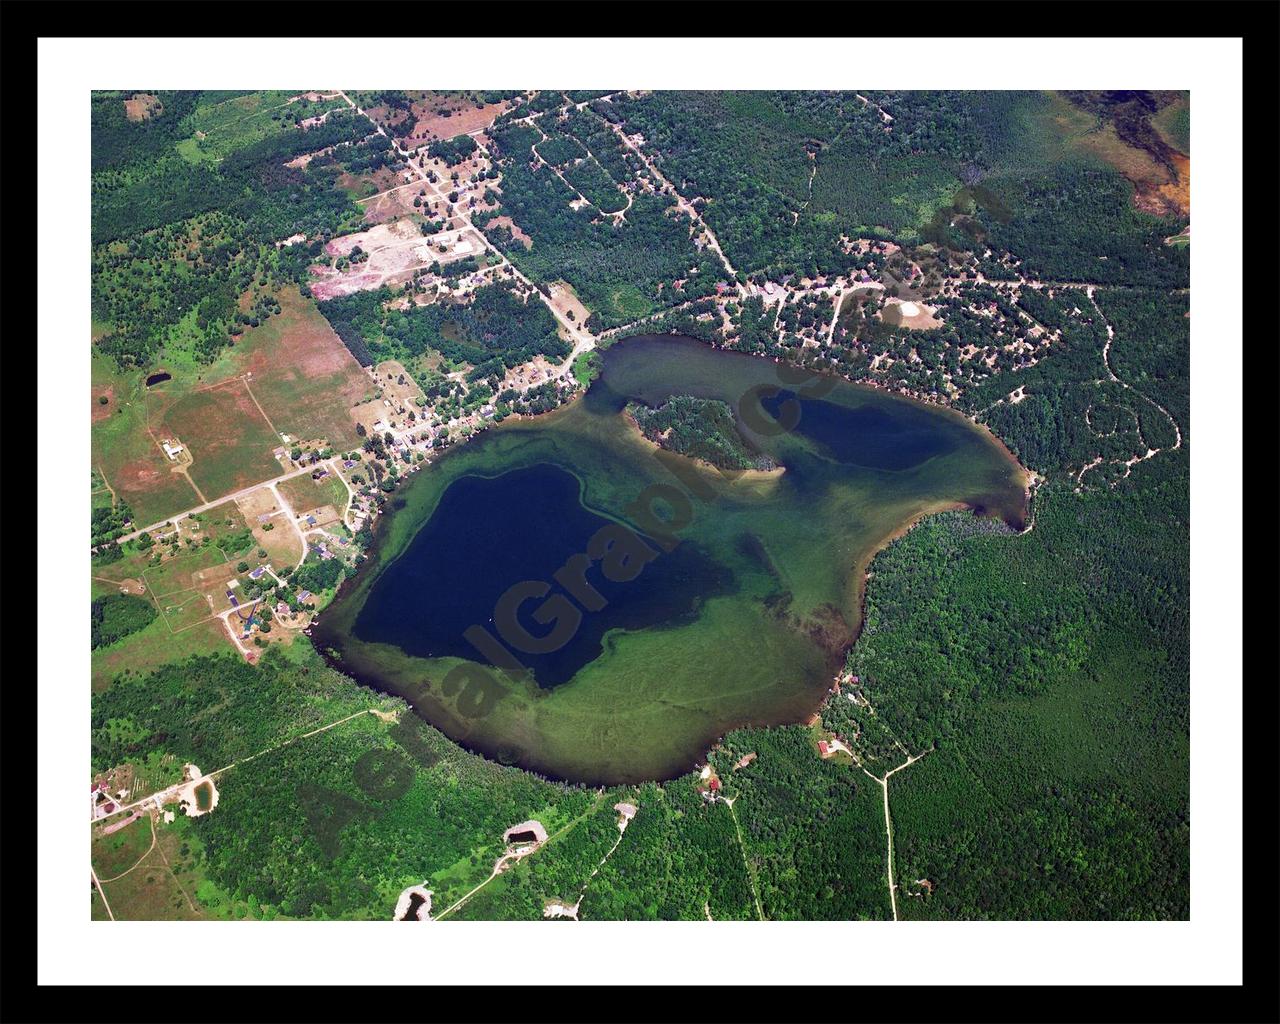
<point x="548" y="751"/>
<point x="703" y="464"/>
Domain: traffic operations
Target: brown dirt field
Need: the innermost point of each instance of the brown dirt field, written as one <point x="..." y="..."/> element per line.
<point x="394" y="205"/>
<point x="257" y="503"/>
<point x="517" y="232"/>
<point x="1172" y="196"/>
<point x="101" y="411"/>
<point x="303" y="375"/>
<point x="142" y="106"/>
<point x="465" y="118"/>
<point x="229" y="439"/>
<point x="324" y="515"/>
<point x="175" y="575"/>
<point x="151" y="892"/>
<point x="215" y="575"/>
<point x="305" y="494"/>
<point x="922" y="320"/>
<point x="154" y="479"/>
<point x="362" y="185"/>
<point x="396" y="249"/>
<point x="404" y="395"/>
<point x="280" y="542"/>
<point x="565" y="299"/>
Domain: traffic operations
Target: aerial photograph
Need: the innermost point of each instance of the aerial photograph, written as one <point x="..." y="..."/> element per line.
<point x="637" y="505"/>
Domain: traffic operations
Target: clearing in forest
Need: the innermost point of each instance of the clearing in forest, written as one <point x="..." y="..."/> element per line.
<point x="302" y="374"/>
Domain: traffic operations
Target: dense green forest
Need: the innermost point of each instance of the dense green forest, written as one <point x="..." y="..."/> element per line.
<point x="1081" y="225"/>
<point x="1048" y="673"/>
<point x="495" y="331"/>
<point x="115" y="616"/>
<point x="452" y="151"/>
<point x="701" y="428"/>
<point x="621" y="271"/>
<point x="785" y="175"/>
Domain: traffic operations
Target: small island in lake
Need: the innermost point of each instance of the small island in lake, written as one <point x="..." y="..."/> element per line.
<point x="699" y="428"/>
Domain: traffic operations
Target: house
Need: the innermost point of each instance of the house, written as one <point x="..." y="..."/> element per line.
<point x="257" y="573"/>
<point x="311" y="520"/>
<point x="822" y="747"/>
<point x="714" y="784"/>
<point x="171" y="449"/>
<point x="304" y="595"/>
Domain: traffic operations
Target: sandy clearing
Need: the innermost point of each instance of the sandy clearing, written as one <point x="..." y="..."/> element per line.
<point x="918" y="316"/>
<point x="186" y="794"/>
<point x="423" y="912"/>
<point x="142" y="106"/>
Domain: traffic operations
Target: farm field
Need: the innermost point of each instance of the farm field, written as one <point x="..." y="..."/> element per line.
<point x="126" y="452"/>
<point x="230" y="440"/>
<point x="301" y="373"/>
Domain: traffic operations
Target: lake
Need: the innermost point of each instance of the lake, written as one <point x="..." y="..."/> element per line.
<point x="559" y="594"/>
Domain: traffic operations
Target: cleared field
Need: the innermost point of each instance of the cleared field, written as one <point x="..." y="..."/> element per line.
<point x="185" y="609"/>
<point x="302" y="374"/>
<point x="224" y="525"/>
<point x="396" y="251"/>
<point x="151" y="892"/>
<point x="305" y="494"/>
<point x="116" y="853"/>
<point x="228" y="437"/>
<point x="439" y="115"/>
<point x="281" y="542"/>
<point x="124" y="452"/>
<point x="179" y="573"/>
<point x="154" y="646"/>
<point x="222" y="128"/>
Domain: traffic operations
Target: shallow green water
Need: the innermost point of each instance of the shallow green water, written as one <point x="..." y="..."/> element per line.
<point x="742" y="594"/>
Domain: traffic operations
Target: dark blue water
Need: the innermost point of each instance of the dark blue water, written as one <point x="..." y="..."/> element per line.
<point x="869" y="437"/>
<point x="488" y="534"/>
